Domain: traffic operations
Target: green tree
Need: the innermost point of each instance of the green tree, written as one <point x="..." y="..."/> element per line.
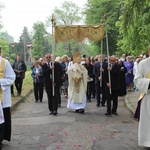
<point x="134" y="26"/>
<point x="95" y="10"/>
<point x="5" y="47"/>
<point x="38" y="39"/>
<point x="7" y="37"/>
<point x="47" y="44"/>
<point x="21" y="47"/>
<point x="67" y="14"/>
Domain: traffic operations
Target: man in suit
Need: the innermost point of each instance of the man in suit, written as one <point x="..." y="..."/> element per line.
<point x="48" y="68"/>
<point x="113" y="85"/>
<point x="98" y="73"/>
<point x="19" y="67"/>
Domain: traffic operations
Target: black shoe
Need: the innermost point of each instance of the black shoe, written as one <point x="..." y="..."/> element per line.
<point x="89" y="100"/>
<point x="51" y="113"/>
<point x="77" y="111"/>
<point x="36" y="101"/>
<point x="108" y="114"/>
<point x="115" y="113"/>
<point x="81" y="111"/>
<point x="55" y="113"/>
<point x="41" y="101"/>
<point x="103" y="105"/>
<point x="18" y="94"/>
<point x="97" y="105"/>
<point x="2" y="145"/>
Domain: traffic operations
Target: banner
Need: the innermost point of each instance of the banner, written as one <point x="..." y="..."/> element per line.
<point x="79" y="33"/>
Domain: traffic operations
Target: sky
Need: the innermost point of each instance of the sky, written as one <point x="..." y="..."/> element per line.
<point x="18" y="14"/>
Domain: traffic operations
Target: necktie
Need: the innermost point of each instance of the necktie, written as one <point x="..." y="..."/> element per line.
<point x="48" y="64"/>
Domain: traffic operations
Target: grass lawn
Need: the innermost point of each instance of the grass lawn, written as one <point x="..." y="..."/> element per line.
<point x="26" y="87"/>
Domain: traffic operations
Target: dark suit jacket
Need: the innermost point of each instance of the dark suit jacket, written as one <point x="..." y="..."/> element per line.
<point x="96" y="70"/>
<point x="114" y="75"/>
<point x="47" y="73"/>
<point x="21" y="66"/>
<point x="89" y="69"/>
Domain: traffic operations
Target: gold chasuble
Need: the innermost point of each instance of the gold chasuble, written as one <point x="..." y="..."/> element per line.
<point x="77" y="75"/>
<point x="2" y="66"/>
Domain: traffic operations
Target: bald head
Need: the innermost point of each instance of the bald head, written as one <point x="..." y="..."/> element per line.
<point x="112" y="59"/>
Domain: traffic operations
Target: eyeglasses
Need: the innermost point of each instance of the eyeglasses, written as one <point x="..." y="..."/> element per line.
<point x="48" y="57"/>
<point x="113" y="60"/>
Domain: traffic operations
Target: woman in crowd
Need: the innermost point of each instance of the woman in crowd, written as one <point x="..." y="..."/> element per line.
<point x="89" y="68"/>
<point x="129" y="64"/>
<point x="123" y="71"/>
<point x="37" y="75"/>
<point x="64" y="64"/>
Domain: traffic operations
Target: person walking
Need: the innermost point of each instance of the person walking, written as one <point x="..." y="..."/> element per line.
<point x="7" y="78"/>
<point x="89" y="68"/>
<point x="98" y="72"/>
<point x="142" y="82"/>
<point x="1" y="124"/>
<point x="37" y="75"/>
<point x="19" y="67"/>
<point x="129" y="64"/>
<point x="64" y="64"/>
<point x="113" y="85"/>
<point x="77" y="75"/>
<point x="48" y="67"/>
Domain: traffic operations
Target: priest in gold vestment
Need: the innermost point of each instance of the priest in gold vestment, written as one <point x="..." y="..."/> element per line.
<point x="77" y="75"/>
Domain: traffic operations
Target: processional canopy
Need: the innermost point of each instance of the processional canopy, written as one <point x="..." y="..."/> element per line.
<point x="79" y="33"/>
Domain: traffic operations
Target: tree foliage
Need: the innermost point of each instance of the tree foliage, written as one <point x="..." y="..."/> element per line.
<point x="95" y="10"/>
<point x="38" y="39"/>
<point x="5" y="47"/>
<point x="22" y="45"/>
<point x="68" y="13"/>
<point x="134" y="26"/>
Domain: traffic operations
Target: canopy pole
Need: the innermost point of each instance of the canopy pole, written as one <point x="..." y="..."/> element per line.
<point x="53" y="52"/>
<point x="101" y="62"/>
<point x="105" y="17"/>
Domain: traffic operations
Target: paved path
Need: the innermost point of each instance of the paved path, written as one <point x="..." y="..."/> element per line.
<point x="131" y="100"/>
<point x="34" y="129"/>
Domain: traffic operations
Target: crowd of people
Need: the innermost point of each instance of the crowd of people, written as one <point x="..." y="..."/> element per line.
<point x="79" y="78"/>
<point x="104" y="82"/>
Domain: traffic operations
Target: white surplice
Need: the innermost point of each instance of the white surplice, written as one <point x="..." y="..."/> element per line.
<point x="6" y="82"/>
<point x="77" y="100"/>
<point x="142" y="81"/>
